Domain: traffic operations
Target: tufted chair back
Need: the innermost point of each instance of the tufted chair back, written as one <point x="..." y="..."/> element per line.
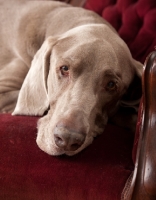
<point x="135" y="21"/>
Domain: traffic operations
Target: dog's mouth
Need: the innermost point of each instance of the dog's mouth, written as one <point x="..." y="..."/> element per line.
<point x="46" y="111"/>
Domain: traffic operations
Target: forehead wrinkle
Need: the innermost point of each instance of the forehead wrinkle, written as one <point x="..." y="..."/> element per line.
<point x="111" y="73"/>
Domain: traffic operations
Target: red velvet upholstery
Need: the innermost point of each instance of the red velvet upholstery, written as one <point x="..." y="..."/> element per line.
<point x="26" y="173"/>
<point x="100" y="171"/>
<point x="135" y="21"/>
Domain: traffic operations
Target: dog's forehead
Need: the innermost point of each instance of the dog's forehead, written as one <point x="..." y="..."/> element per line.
<point x="92" y="57"/>
<point x="93" y="42"/>
<point x="96" y="48"/>
<point x="90" y="30"/>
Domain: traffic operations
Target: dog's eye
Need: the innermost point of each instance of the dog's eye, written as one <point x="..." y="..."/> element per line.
<point x="111" y="86"/>
<point x="64" y="70"/>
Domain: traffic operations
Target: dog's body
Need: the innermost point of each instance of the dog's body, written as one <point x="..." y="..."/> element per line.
<point x="79" y="71"/>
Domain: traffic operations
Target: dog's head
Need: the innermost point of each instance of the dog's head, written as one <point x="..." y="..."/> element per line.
<point x="76" y="81"/>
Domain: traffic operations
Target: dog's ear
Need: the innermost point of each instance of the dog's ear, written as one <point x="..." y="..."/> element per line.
<point x="33" y="97"/>
<point x="133" y="94"/>
<point x="126" y="115"/>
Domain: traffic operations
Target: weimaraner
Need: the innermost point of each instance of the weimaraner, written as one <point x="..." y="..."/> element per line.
<point x="67" y="65"/>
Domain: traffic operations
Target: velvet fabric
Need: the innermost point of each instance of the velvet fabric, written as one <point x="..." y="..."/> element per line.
<point x="135" y="21"/>
<point x="100" y="171"/>
<point x="26" y="173"/>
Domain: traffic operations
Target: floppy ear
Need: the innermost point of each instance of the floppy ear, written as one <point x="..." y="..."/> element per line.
<point x="133" y="94"/>
<point x="126" y="116"/>
<point x="33" y="97"/>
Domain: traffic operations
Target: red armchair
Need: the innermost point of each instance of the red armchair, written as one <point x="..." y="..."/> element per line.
<point x="109" y="169"/>
<point x="142" y="185"/>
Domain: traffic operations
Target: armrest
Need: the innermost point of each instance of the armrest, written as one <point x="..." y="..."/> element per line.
<point x="143" y="183"/>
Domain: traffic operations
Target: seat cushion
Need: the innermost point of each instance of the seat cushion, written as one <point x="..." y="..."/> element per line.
<point x="27" y="173"/>
<point x="133" y="19"/>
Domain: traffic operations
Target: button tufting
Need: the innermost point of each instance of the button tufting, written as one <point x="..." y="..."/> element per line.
<point x="134" y="20"/>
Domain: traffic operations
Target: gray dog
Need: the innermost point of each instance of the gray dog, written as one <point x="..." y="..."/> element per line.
<point x="66" y="64"/>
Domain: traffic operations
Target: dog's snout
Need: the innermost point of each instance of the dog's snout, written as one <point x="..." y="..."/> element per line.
<point x="67" y="139"/>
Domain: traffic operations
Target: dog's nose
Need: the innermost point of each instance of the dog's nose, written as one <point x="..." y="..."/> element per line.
<point x="67" y="139"/>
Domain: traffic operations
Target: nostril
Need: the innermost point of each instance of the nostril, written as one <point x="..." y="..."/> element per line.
<point x="58" y="139"/>
<point x="62" y="144"/>
<point x="59" y="142"/>
<point x="75" y="146"/>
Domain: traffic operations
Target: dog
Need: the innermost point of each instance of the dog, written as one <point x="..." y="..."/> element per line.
<point x="67" y="65"/>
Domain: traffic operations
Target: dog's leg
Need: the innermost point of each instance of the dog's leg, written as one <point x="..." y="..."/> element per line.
<point x="12" y="75"/>
<point x="8" y="101"/>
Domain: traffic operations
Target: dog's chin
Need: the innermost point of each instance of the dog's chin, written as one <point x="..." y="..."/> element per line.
<point x="53" y="150"/>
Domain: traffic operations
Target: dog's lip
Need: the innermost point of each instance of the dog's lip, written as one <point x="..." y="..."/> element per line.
<point x="46" y="111"/>
<point x="67" y="152"/>
<point x="70" y="153"/>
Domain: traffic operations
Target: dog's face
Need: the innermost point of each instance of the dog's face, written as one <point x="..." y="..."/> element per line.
<point x="79" y="78"/>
